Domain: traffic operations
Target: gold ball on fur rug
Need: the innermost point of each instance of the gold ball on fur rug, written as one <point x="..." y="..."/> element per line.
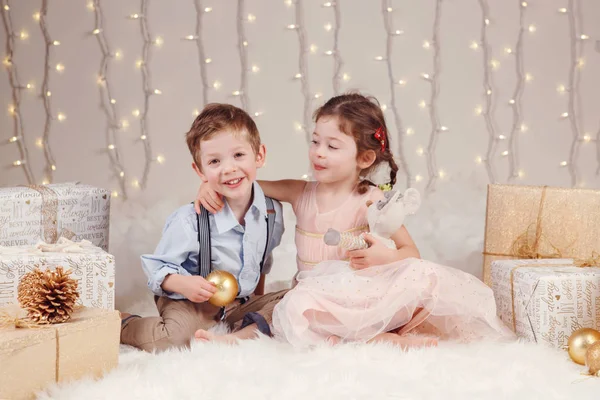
<point x="592" y="359"/>
<point x="48" y="296"/>
<point x="227" y="288"/>
<point x="580" y="341"/>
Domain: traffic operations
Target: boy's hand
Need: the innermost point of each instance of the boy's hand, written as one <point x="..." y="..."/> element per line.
<point x="210" y="199"/>
<point x="377" y="254"/>
<point x="194" y="288"/>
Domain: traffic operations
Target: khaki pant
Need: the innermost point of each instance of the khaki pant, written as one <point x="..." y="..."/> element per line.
<point x="180" y="319"/>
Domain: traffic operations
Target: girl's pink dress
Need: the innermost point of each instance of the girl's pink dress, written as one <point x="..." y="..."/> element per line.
<point x="411" y="295"/>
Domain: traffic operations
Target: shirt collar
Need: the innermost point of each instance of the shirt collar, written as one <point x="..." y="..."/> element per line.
<point x="225" y="219"/>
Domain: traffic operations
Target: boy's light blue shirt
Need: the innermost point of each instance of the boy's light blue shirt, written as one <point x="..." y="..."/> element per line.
<point x="234" y="248"/>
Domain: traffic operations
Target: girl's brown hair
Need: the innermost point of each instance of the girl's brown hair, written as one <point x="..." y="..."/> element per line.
<point x="361" y="117"/>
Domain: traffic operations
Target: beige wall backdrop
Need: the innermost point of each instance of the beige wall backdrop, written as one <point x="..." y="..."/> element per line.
<point x="473" y="91"/>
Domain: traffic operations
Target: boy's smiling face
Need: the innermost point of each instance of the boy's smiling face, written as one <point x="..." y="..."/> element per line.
<point x="229" y="164"/>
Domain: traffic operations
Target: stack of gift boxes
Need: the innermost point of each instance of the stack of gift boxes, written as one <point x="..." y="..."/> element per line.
<point x="541" y="258"/>
<point x="44" y="227"/>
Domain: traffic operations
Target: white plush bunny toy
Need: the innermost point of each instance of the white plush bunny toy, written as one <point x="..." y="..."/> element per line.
<point x="385" y="217"/>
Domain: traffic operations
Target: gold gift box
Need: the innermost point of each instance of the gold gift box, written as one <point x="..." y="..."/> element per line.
<point x="32" y="358"/>
<point x="540" y="222"/>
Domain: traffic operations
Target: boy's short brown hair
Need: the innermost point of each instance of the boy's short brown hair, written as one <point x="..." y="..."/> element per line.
<point x="215" y="118"/>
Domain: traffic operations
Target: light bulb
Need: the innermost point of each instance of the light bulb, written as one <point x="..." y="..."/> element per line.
<point x="563" y="163"/>
<point x="208" y="9"/>
<point x="196" y="113"/>
<point x="587" y="138"/>
<point x="442" y="173"/>
<point x="61" y="117"/>
<point x="292" y="26"/>
<point x="478" y="159"/>
<point x="96" y="31"/>
<point x="23" y="35"/>
<point x="328" y="27"/>
<point x="501" y="137"/>
<point x="561" y="88"/>
<point x="532" y="28"/>
<point x="157" y="91"/>
<point x="135" y="113"/>
<point x="478" y="110"/>
<point x="255" y="68"/>
<point x="13" y="139"/>
<point x="410" y="131"/>
<point x="379" y="58"/>
<point x="402" y="82"/>
<point x="208" y="60"/>
<point x="524" y="128"/>
<point x="426" y="44"/>
<point x="422" y="104"/>
<point x="345" y="77"/>
<point x="562" y="10"/>
<point x="111" y="146"/>
<point x="60" y="67"/>
<point x="53" y="167"/>
<point x="418" y="178"/>
<point x="160" y="159"/>
<point x="383" y="107"/>
<point x="115" y="193"/>
<point x="37" y="16"/>
<point x="217" y="85"/>
<point x="564" y="115"/>
<point x="251" y="17"/>
<point x="56" y="43"/>
<point x="521" y="173"/>
<point x="313" y="48"/>
<point x="298" y="75"/>
<point x="474" y="45"/>
<point x="159" y="41"/>
<point x="420" y="151"/>
<point x="504" y="153"/>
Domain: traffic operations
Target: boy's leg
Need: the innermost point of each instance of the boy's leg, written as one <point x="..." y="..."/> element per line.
<point x="247" y="319"/>
<point x="175" y="326"/>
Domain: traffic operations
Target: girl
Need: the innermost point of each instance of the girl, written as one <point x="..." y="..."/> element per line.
<point x="376" y="294"/>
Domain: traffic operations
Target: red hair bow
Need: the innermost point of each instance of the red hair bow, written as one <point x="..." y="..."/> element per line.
<point x="380" y="136"/>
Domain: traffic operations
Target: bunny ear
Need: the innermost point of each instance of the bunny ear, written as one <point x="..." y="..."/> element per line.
<point x="412" y="200"/>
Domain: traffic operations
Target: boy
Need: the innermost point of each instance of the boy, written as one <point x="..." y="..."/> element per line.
<point x="226" y="149"/>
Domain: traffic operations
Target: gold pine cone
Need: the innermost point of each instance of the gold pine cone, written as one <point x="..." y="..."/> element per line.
<point x="48" y="296"/>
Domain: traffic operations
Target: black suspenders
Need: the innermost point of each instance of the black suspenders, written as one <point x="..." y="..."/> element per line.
<point x="204" y="245"/>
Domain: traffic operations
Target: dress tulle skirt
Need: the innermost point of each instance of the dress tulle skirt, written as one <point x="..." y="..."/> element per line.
<point x="411" y="296"/>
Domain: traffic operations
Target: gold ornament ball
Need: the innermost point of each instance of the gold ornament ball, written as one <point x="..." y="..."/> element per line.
<point x="592" y="358"/>
<point x="580" y="341"/>
<point x="227" y="288"/>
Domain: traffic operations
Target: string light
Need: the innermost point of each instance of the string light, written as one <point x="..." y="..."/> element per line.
<point x="106" y="104"/>
<point x="516" y="101"/>
<point x="243" y="53"/>
<point x="50" y="166"/>
<point x="198" y="38"/>
<point x="433" y="109"/>
<point x="337" y="58"/>
<point x="387" y="22"/>
<point x="298" y="26"/>
<point x="16" y="87"/>
<point x="147" y="88"/>
<point x="489" y="105"/>
<point x="574" y="20"/>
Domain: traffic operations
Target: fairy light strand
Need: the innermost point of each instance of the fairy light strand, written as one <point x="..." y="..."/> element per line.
<point x="387" y="21"/>
<point x="573" y="89"/>
<point x="16" y="88"/>
<point x="516" y="103"/>
<point x="303" y="65"/>
<point x="489" y="93"/>
<point x="198" y="38"/>
<point x="148" y="91"/>
<point x="50" y="163"/>
<point x="338" y="62"/>
<point x="433" y="109"/>
<point x="107" y="102"/>
<point x="243" y="53"/>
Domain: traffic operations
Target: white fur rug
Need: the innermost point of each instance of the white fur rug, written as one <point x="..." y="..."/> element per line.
<point x="265" y="369"/>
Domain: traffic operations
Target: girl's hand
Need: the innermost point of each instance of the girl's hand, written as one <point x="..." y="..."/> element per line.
<point x="210" y="199"/>
<point x="377" y="254"/>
